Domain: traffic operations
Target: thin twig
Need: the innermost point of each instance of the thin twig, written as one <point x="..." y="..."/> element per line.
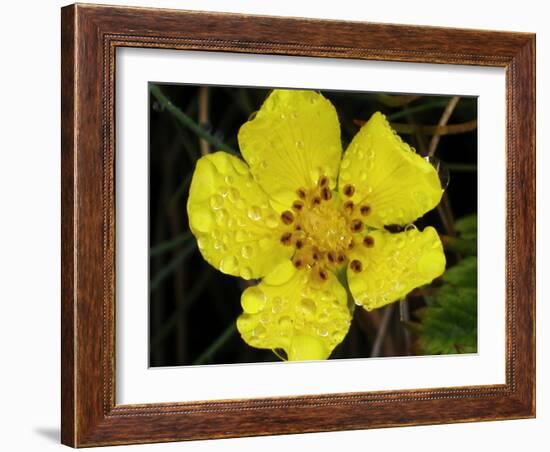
<point x="392" y="100"/>
<point x="452" y="129"/>
<point x="178" y="312"/>
<point x="169" y="244"/>
<point x="416" y="109"/>
<point x="381" y="334"/>
<point x="204" y="115"/>
<point x="186" y="121"/>
<point x="404" y="316"/>
<point x="442" y="122"/>
<point x="216" y="345"/>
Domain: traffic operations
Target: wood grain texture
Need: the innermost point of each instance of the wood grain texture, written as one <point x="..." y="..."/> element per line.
<point x="90" y="36"/>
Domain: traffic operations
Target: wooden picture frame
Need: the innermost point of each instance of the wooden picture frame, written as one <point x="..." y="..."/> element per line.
<point x="90" y="36"/>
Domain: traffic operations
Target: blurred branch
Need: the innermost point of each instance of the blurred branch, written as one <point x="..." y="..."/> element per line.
<point x="169" y="244"/>
<point x="204" y="115"/>
<point x="189" y="299"/>
<point x="461" y="167"/>
<point x="418" y="108"/>
<point x="217" y="344"/>
<point x="404" y="317"/>
<point x="443" y="122"/>
<point x="396" y="101"/>
<point x="180" y="191"/>
<point x="453" y="129"/>
<point x="381" y="333"/>
<point x="186" y="121"/>
<point x="172" y="265"/>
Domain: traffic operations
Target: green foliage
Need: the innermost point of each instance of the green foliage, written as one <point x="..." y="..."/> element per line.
<point x="465" y="242"/>
<point x="448" y="323"/>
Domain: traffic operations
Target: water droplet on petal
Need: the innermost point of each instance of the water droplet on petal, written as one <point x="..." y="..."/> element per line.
<point x="202" y="242"/>
<point x="229" y="264"/>
<point x="308" y="306"/>
<point x="285" y="322"/>
<point x="246" y="251"/>
<point x="442" y="170"/>
<point x="323" y="332"/>
<point x="300" y="144"/>
<point x="216" y="202"/>
<point x="246" y="273"/>
<point x="233" y="194"/>
<point x="254" y="213"/>
<point x="253" y="300"/>
<point x="221" y="217"/>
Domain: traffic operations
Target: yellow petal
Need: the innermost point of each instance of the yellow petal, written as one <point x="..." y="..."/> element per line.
<point x="293" y="311"/>
<point x="293" y="139"/>
<point x="397" y="184"/>
<point x="236" y="228"/>
<point x="394" y="264"/>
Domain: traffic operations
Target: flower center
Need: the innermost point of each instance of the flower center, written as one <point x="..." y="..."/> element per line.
<point x="324" y="227"/>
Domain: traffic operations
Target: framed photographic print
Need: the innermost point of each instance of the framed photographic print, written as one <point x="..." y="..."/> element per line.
<point x="282" y="225"/>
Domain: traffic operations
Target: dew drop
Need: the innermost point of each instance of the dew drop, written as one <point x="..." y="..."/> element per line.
<point x="300" y="144"/>
<point x="271" y="221"/>
<point x="323" y="332"/>
<point x="276" y="305"/>
<point x="221" y="217"/>
<point x="219" y="246"/>
<point x="308" y="306"/>
<point x="246" y="273"/>
<point x="202" y="242"/>
<point x="442" y="170"/>
<point x="253" y="300"/>
<point x="247" y="251"/>
<point x="233" y="194"/>
<point x="246" y="323"/>
<point x="259" y="331"/>
<point x="254" y="213"/>
<point x="229" y="264"/>
<point x="216" y="202"/>
<point x="285" y="322"/>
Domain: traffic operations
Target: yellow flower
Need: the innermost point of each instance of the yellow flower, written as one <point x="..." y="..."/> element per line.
<point x="306" y="220"/>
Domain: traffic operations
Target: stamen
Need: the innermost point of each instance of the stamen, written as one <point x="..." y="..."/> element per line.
<point x="356" y="266"/>
<point x="298" y="205"/>
<point x="315" y="255"/>
<point x="298" y="227"/>
<point x="331" y="257"/>
<point x="348" y="207"/>
<point x="326" y="194"/>
<point x="299" y="244"/>
<point x="349" y="190"/>
<point x="323" y="274"/>
<point x="323" y="181"/>
<point x="287" y="217"/>
<point x="298" y="262"/>
<point x="368" y="241"/>
<point x="365" y="210"/>
<point x="301" y="192"/>
<point x="341" y="258"/>
<point x="351" y="244"/>
<point x="316" y="201"/>
<point x="286" y="238"/>
<point x="356" y="225"/>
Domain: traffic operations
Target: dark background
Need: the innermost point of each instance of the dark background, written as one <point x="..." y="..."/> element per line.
<point x="192" y="305"/>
